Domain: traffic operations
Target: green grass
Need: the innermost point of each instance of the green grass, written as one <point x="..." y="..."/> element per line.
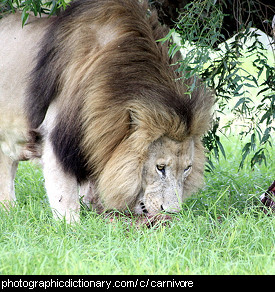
<point x="221" y="230"/>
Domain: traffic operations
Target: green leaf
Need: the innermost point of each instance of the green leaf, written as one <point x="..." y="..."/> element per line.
<point x="24" y="16"/>
<point x="266" y="135"/>
<point x="167" y="37"/>
<point x="221" y="148"/>
<point x="239" y="102"/>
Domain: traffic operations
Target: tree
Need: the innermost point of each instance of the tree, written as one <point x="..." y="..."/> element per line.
<point x="203" y="29"/>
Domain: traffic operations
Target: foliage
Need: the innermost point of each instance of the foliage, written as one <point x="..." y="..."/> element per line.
<point x="37" y="7"/>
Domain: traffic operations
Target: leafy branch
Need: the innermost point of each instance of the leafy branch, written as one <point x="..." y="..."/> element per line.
<point x="37" y="7"/>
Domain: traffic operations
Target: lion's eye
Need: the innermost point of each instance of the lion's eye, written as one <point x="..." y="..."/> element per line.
<point x="161" y="168"/>
<point x="188" y="168"/>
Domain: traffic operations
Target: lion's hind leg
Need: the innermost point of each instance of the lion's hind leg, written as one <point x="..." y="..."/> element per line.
<point x="8" y="169"/>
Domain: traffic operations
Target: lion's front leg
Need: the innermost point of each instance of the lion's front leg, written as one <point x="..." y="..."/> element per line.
<point x="61" y="187"/>
<point x="7" y="175"/>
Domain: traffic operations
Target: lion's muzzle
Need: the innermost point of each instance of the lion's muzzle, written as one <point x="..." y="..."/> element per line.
<point x="160" y="199"/>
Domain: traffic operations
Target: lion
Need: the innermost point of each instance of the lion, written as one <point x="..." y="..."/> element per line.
<point x="96" y="95"/>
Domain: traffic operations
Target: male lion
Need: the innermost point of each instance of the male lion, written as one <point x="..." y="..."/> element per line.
<point x="108" y="106"/>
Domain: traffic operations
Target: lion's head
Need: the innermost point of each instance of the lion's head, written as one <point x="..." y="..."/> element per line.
<point x="167" y="167"/>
